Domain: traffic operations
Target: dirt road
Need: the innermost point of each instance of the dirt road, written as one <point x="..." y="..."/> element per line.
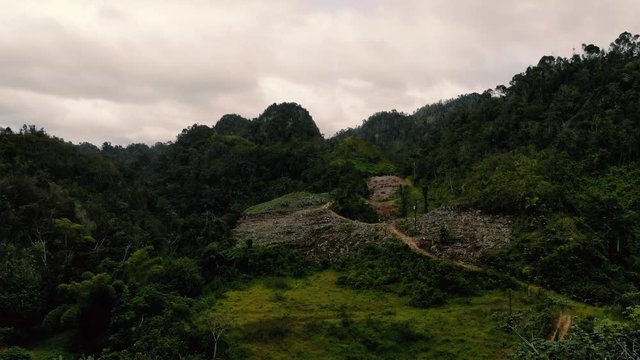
<point x="413" y="245"/>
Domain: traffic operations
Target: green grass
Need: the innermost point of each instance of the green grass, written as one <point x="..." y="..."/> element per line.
<point x="53" y="348"/>
<point x="289" y="203"/>
<point x="313" y="318"/>
<point x="306" y="319"/>
<point x="363" y="156"/>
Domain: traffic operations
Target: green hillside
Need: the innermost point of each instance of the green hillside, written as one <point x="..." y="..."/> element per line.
<point x="144" y="252"/>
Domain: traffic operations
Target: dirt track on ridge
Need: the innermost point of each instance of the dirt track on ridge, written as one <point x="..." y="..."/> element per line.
<point x="411" y="242"/>
<point x="413" y="245"/>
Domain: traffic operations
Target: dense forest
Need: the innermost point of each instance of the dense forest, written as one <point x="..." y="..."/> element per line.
<point x="122" y="249"/>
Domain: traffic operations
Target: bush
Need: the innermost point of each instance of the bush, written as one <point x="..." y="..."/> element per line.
<point x="269" y="261"/>
<point x="15" y="353"/>
<point x="425" y="297"/>
<point x="374" y="337"/>
<point x="511" y="183"/>
<point x="629" y="299"/>
<point x="445" y="236"/>
<point x="269" y="329"/>
<point x="426" y="282"/>
<point x="348" y="203"/>
<point x="405" y="333"/>
<point x="277" y="283"/>
<point x="183" y="275"/>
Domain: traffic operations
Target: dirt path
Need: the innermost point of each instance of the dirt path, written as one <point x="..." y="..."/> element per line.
<point x="411" y="242"/>
<point x="561" y="327"/>
<point x="413" y="245"/>
<point x="563" y="322"/>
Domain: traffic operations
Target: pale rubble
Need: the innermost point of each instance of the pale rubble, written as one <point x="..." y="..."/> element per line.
<point x="381" y="188"/>
<point x="471" y="233"/>
<point x="320" y="235"/>
<point x="317" y="233"/>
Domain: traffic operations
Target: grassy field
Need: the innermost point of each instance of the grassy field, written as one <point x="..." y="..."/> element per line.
<point x="53" y="348"/>
<point x="313" y="318"/>
<point x="289" y="203"/>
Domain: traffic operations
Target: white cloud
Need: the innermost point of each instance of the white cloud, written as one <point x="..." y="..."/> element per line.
<point x="125" y="71"/>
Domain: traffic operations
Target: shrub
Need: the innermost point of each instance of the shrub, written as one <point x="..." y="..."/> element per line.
<point x="277" y="283"/>
<point x="424" y="297"/>
<point x="269" y="329"/>
<point x="445" y="236"/>
<point x="15" y="353"/>
<point x="405" y="333"/>
<point x="183" y="275"/>
<point x="629" y="299"/>
<point x="348" y="203"/>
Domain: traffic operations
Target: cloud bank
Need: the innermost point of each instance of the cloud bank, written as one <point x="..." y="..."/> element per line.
<point x="140" y="71"/>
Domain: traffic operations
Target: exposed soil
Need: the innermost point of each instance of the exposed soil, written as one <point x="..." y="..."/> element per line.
<point x="561" y="327"/>
<point x="411" y="242"/>
<point x="386" y="210"/>
<point x="413" y="245"/>
<point x="319" y="234"/>
<point x="459" y="235"/>
<point x="382" y="188"/>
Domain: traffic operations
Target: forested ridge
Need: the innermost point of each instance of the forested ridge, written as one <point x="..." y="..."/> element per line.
<point x="123" y="248"/>
<point x="558" y="148"/>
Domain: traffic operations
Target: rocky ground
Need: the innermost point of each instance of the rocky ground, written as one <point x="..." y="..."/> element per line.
<point x="459" y="235"/>
<point x="304" y="222"/>
<point x="382" y="188"/>
<point x="316" y="233"/>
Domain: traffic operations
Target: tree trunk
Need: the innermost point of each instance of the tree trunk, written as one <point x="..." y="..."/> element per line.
<point x="44" y="253"/>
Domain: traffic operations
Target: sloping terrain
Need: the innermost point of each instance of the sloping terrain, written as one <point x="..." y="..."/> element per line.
<point x="289" y="203"/>
<point x="314" y="318"/>
<point x="459" y="235"/>
<point x="304" y="222"/>
<point x="313" y="231"/>
<point x="383" y="187"/>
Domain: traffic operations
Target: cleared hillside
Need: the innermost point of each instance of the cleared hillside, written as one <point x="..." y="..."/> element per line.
<point x="308" y="228"/>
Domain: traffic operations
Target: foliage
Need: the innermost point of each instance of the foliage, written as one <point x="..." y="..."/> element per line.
<point x="590" y="338"/>
<point x="268" y="261"/>
<point x="558" y="148"/>
<point x="364" y="157"/>
<point x="290" y="202"/>
<point x="286" y="122"/>
<point x="20" y="298"/>
<point x="348" y="203"/>
<point x="15" y="353"/>
<point x="426" y="282"/>
<point x="318" y="319"/>
<point x="232" y="124"/>
<point x="511" y="184"/>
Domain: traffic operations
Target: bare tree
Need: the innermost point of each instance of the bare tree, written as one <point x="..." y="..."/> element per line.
<point x="216" y="324"/>
<point x="126" y="252"/>
<point x="529" y="343"/>
<point x="98" y="245"/>
<point x="40" y="242"/>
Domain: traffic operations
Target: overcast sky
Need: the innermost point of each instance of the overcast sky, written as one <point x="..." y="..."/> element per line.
<point x="141" y="71"/>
